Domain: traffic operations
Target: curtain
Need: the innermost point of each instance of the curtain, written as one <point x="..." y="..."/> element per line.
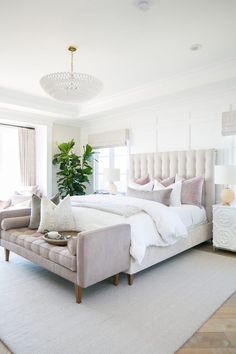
<point x="27" y="156"/>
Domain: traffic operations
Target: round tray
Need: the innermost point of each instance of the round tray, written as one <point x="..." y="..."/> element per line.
<point x="55" y="242"/>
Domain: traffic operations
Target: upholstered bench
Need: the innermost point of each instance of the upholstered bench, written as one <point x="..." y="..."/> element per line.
<point x="88" y="258"/>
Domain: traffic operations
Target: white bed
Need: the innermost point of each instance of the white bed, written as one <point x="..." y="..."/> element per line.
<point x="181" y="227"/>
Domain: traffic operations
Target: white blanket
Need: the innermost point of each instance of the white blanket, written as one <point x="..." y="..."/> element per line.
<point x="155" y="225"/>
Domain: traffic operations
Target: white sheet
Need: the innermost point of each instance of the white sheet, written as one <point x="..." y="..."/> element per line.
<point x="190" y="215"/>
<point x="156" y="225"/>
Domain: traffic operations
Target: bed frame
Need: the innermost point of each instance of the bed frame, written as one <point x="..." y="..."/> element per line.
<point x="186" y="164"/>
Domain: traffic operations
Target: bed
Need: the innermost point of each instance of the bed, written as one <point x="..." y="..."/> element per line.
<point x="197" y="222"/>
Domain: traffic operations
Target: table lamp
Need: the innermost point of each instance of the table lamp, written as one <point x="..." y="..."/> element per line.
<point x="112" y="175"/>
<point x="226" y="175"/>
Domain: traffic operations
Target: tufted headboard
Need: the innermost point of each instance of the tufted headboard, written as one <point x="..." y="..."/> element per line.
<point x="184" y="163"/>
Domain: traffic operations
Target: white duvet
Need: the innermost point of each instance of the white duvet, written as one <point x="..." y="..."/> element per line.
<point x="154" y="225"/>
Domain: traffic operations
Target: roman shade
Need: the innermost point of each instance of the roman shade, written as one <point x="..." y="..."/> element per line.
<point x="109" y="139"/>
<point x="229" y="123"/>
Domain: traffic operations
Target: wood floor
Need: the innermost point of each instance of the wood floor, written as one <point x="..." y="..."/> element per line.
<point x="217" y="335"/>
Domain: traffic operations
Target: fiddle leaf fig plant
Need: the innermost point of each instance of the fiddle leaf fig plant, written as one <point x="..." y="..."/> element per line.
<point x="74" y="170"/>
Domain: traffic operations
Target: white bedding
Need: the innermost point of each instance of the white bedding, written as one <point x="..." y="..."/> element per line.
<point x="190" y="215"/>
<point x="155" y="225"/>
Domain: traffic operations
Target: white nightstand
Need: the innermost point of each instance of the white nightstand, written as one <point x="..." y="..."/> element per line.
<point x="224" y="227"/>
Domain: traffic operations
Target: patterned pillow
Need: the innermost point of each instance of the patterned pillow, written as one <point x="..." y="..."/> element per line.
<point x="56" y="217"/>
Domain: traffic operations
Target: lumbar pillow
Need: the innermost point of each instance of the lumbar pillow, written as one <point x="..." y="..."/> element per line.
<point x="160" y="196"/>
<point x="175" y="197"/>
<point x="36" y="207"/>
<point x="56" y="217"/>
<point x="141" y="187"/>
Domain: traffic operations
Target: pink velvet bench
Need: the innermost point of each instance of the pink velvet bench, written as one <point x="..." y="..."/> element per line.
<point x="88" y="258"/>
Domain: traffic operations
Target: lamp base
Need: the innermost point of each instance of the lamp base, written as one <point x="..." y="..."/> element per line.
<point x="112" y="188"/>
<point x="227" y="196"/>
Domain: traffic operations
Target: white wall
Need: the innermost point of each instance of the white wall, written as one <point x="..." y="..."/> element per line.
<point x="60" y="134"/>
<point x="189" y="120"/>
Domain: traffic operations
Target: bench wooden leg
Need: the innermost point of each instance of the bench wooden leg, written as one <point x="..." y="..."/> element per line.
<point x="7" y="254"/>
<point x="115" y="279"/>
<point x="130" y="278"/>
<point x="78" y="294"/>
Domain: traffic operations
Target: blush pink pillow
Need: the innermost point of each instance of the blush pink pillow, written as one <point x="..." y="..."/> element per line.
<point x="192" y="191"/>
<point x="142" y="180"/>
<point x="166" y="182"/>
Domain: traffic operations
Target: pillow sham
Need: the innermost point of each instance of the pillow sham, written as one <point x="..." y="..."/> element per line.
<point x="159" y="196"/>
<point x="148" y="187"/>
<point x="56" y="217"/>
<point x="192" y="190"/>
<point x="142" y="180"/>
<point x="166" y="182"/>
<point x="36" y="208"/>
<point x="175" y="197"/>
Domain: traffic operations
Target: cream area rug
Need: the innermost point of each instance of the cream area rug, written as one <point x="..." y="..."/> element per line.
<point x="165" y="306"/>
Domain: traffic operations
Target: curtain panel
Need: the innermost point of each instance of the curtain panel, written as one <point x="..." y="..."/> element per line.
<point x="27" y="156"/>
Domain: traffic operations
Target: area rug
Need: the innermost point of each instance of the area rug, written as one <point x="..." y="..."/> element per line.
<point x="165" y="306"/>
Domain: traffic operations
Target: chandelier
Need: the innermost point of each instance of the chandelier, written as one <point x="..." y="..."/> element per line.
<point x="71" y="86"/>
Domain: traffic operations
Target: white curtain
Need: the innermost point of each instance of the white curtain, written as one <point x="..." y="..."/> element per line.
<point x="27" y="156"/>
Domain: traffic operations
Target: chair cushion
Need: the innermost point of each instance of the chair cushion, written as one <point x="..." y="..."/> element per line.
<point x="34" y="242"/>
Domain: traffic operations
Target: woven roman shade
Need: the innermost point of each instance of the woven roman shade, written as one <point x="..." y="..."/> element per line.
<point x="229" y="123"/>
<point x="109" y="139"/>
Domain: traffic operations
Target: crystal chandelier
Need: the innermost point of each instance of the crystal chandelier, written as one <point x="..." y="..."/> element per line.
<point x="71" y="86"/>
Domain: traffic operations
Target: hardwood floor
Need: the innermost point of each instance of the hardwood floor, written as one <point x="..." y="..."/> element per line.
<point x="3" y="349"/>
<point x="218" y="334"/>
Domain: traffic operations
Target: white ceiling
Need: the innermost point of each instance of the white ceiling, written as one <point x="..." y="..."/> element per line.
<point x="121" y="45"/>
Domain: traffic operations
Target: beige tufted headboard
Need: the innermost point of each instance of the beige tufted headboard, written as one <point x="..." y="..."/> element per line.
<point x="184" y="163"/>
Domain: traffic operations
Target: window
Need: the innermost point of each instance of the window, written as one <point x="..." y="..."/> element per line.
<point x="9" y="161"/>
<point x="115" y="157"/>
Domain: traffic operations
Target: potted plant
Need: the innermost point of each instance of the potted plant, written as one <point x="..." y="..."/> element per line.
<point x="74" y="170"/>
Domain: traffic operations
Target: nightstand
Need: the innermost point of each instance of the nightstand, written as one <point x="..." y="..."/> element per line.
<point x="224" y="227"/>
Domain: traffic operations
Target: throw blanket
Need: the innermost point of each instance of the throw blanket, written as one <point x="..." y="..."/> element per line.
<point x="122" y="210"/>
<point x="153" y="225"/>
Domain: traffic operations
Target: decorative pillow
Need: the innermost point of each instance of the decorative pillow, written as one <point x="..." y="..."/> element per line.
<point x="160" y="196"/>
<point x="36" y="207"/>
<point x="166" y="182"/>
<point x="5" y="204"/>
<point x="148" y="187"/>
<point x="142" y="180"/>
<point x="175" y="197"/>
<point x="192" y="191"/>
<point x="56" y="217"/>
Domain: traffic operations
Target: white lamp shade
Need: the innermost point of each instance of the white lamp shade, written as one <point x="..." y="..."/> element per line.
<point x="225" y="174"/>
<point x="111" y="174"/>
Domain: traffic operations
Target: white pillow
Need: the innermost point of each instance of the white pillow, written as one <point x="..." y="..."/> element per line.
<point x="19" y="199"/>
<point x="148" y="187"/>
<point x="175" y="196"/>
<point x="56" y="217"/>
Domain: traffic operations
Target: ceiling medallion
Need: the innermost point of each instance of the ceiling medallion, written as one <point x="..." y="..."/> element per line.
<point x="71" y="86"/>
